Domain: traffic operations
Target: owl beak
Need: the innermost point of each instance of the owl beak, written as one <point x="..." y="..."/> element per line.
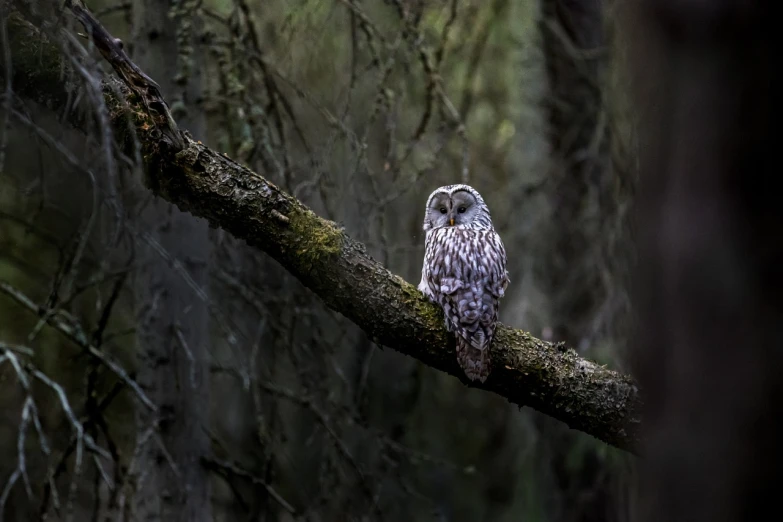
<point x="451" y="222"/>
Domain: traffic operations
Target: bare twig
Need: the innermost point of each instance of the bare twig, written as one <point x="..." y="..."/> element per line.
<point x="68" y="327"/>
<point x="227" y="467"/>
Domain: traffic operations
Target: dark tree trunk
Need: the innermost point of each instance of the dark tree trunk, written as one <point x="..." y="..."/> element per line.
<point x="172" y="312"/>
<point x="575" y="270"/>
<point x="572" y="36"/>
<point x="710" y="280"/>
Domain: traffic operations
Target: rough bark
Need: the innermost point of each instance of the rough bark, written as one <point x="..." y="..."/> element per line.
<point x="527" y="371"/>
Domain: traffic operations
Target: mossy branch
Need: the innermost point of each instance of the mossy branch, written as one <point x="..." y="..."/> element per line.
<point x="526" y="371"/>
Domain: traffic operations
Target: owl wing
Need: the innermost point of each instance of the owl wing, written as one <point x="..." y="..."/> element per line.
<point x="468" y="277"/>
<point x="499" y="278"/>
<point x="430" y="269"/>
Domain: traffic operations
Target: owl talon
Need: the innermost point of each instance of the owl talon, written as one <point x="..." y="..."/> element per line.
<point x="424" y="289"/>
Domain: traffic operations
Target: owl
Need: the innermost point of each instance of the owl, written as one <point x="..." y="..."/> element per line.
<point x="464" y="272"/>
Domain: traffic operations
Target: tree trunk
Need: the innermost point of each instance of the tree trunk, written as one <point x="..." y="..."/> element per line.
<point x="572" y="33"/>
<point x="576" y="269"/>
<point x="172" y="312"/>
<point x="710" y="280"/>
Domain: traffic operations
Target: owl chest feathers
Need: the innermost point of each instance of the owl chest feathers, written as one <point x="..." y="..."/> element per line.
<point x="466" y="275"/>
<point x="459" y="258"/>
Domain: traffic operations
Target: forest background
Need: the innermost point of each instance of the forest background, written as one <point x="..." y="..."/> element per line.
<point x="154" y="367"/>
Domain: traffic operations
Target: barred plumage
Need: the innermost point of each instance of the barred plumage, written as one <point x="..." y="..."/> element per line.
<point x="464" y="271"/>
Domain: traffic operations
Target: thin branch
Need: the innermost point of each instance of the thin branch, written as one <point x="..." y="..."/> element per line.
<point x="67" y="326"/>
<point x="134" y="78"/>
<point x="229" y="468"/>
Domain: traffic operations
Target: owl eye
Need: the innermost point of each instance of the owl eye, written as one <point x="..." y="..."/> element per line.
<point x="461" y="210"/>
<point x="443" y="210"/>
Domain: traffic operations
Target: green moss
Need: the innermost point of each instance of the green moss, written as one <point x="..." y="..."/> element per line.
<point x="428" y="312"/>
<point x="431" y="314"/>
<point x="315" y="238"/>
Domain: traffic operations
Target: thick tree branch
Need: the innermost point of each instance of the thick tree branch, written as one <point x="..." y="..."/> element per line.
<point x="527" y="371"/>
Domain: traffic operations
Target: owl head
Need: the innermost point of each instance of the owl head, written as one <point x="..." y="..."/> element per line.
<point x="456" y="206"/>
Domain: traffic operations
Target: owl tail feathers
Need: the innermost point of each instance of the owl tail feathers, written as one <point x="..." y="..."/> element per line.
<point x="474" y="360"/>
